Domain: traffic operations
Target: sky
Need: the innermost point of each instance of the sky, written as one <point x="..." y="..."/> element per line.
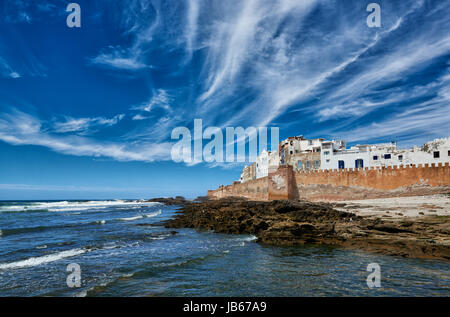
<point x="87" y="113"/>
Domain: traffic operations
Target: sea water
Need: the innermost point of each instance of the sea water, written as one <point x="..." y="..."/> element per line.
<point x="123" y="249"/>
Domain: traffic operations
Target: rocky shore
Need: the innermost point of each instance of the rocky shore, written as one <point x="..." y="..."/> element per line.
<point x="178" y="200"/>
<point x="288" y="223"/>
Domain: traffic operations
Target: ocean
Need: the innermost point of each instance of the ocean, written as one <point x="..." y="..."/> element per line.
<point x="122" y="249"/>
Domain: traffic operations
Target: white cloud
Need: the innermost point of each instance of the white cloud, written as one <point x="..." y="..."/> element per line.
<point x="84" y="124"/>
<point x="120" y="59"/>
<point x="260" y="59"/>
<point x="138" y="117"/>
<point x="406" y="59"/>
<point x="160" y="99"/>
<point x="14" y="75"/>
<point x="412" y="128"/>
<point x="19" y="128"/>
<point x="140" y="27"/>
<point x="29" y="66"/>
<point x="228" y="47"/>
<point x="192" y="25"/>
<point x="7" y="71"/>
<point x="271" y="51"/>
<point x="417" y="124"/>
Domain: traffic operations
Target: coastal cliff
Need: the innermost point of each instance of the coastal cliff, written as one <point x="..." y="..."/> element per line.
<point x="289" y="223"/>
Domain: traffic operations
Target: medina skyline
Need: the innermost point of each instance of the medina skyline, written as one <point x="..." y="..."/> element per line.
<point x="87" y="113"/>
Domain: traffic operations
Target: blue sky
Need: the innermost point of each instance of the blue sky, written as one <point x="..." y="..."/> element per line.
<point x="87" y="112"/>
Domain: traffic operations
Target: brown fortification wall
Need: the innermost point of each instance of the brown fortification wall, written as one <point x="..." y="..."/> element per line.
<point x="374" y="183"/>
<point x="255" y="189"/>
<point x="343" y="184"/>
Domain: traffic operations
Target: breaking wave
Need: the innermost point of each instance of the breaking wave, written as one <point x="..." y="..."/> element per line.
<point x="153" y="214"/>
<point x="247" y="239"/>
<point x="150" y="215"/>
<point x="73" y="206"/>
<point x="34" y="261"/>
<point x="131" y="218"/>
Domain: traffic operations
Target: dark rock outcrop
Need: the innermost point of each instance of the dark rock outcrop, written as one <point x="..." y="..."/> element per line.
<point x="287" y="223"/>
<point x="178" y="200"/>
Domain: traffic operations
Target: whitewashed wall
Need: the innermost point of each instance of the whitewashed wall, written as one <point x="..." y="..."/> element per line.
<point x="408" y="156"/>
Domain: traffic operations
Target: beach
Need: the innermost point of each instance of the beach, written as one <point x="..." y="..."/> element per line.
<point x="400" y="207"/>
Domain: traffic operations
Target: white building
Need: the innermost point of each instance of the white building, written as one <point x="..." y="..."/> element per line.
<point x="378" y="155"/>
<point x="265" y="161"/>
<point x="298" y="144"/>
<point x="262" y="164"/>
<point x="274" y="160"/>
<point x="315" y="154"/>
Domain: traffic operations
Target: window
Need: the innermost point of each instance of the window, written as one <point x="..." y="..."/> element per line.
<point x="308" y="164"/>
<point x="436" y="154"/>
<point x="448" y="152"/>
<point x="317" y="164"/>
<point x="328" y="161"/>
<point x="326" y="152"/>
<point x="299" y="164"/>
<point x="375" y="157"/>
<point x="387" y="156"/>
<point x="400" y="157"/>
<point x="310" y="142"/>
<point x="341" y="165"/>
<point x="291" y="152"/>
<point x="359" y="163"/>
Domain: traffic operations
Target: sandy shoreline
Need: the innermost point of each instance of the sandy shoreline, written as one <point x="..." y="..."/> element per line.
<point x="399" y="207"/>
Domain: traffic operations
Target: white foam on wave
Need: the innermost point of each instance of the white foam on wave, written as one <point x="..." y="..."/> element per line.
<point x="150" y="215"/>
<point x="110" y="245"/>
<point x="248" y="238"/>
<point x="76" y="205"/>
<point x="153" y="214"/>
<point x="161" y="237"/>
<point x="34" y="261"/>
<point x="131" y="218"/>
